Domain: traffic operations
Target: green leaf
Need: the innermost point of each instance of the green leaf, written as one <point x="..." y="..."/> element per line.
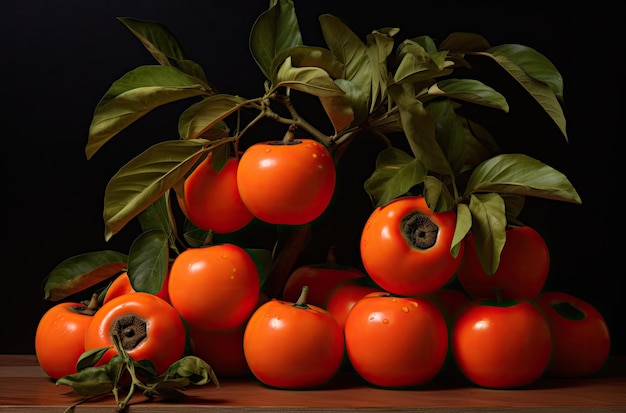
<point x="198" y="371"/>
<point x="159" y="215"/>
<point x="350" y="51"/>
<point x="419" y="128"/>
<point x="92" y="381"/>
<point x="534" y="64"/>
<point x="90" y="358"/>
<point x="426" y="43"/>
<point x="353" y="103"/>
<point x="274" y="30"/>
<point x="379" y="47"/>
<point x="542" y="92"/>
<point x="146" y="178"/>
<point x="133" y="96"/>
<point x="464" y="42"/>
<point x="488" y="228"/>
<point x="148" y="261"/>
<point x="522" y="175"/>
<point x="479" y="144"/>
<point x="395" y="174"/>
<point x="157" y="38"/>
<point x="310" y="56"/>
<point x="514" y="205"/>
<point x="417" y="64"/>
<point x="339" y="112"/>
<point x="470" y="90"/>
<point x="312" y="80"/>
<point x="449" y="132"/>
<point x="77" y="273"/>
<point x="144" y="368"/>
<point x="438" y="197"/>
<point x="207" y="114"/>
<point x="164" y="46"/>
<point x="463" y="224"/>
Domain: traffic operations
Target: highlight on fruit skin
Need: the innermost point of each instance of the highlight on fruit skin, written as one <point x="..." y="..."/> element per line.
<point x="406" y="248"/>
<point x="287" y="182"/>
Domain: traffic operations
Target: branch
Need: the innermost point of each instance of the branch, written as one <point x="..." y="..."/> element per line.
<point x="297" y="119"/>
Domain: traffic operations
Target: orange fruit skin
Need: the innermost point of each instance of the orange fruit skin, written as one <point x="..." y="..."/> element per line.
<point x="211" y="199"/>
<point x="287" y="183"/>
<point x="60" y="339"/>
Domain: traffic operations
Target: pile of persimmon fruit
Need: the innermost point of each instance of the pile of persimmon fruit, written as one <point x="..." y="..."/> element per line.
<point x="395" y="321"/>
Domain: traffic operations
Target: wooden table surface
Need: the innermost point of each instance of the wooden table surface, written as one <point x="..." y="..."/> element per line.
<point x="25" y="388"/>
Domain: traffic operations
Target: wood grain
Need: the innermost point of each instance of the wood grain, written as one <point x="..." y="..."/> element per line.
<point x="25" y="388"/>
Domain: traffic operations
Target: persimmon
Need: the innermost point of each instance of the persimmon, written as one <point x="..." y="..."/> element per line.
<point x="214" y="287"/>
<point x="406" y="247"/>
<point x="286" y="182"/>
<point x="148" y="326"/>
<point x="211" y="199"/>
<point x="60" y="336"/>
<point x="293" y="345"/>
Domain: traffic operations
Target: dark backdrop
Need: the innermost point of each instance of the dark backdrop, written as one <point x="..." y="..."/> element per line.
<point x="58" y="59"/>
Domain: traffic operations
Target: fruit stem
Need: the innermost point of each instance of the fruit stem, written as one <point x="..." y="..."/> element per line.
<point x="302" y="299"/>
<point x="208" y="240"/>
<point x="290" y="134"/>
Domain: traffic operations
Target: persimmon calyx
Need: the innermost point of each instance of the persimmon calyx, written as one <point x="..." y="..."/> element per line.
<point x="419" y="230"/>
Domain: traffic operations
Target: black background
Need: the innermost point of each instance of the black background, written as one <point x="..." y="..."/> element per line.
<point x="59" y="58"/>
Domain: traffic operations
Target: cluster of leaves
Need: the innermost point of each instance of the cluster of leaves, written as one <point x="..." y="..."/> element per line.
<point x="372" y="87"/>
<point x="92" y="381"/>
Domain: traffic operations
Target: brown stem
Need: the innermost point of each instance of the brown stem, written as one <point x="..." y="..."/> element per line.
<point x="208" y="240"/>
<point x="296" y="119"/>
<point x="290" y="134"/>
<point x="93" y="303"/>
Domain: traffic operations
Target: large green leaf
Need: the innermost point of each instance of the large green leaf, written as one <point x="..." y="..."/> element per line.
<point x="534" y="64"/>
<point x="488" y="228"/>
<point x="133" y="96"/>
<point x="379" y="47"/>
<point x="207" y="114"/>
<point x="163" y="46"/>
<point x="522" y="175"/>
<point x="274" y="30"/>
<point x="419" y="128"/>
<point x="470" y="90"/>
<point x="350" y="50"/>
<point x="312" y="80"/>
<point x="157" y="38"/>
<point x="542" y="92"/>
<point x="148" y="261"/>
<point x="395" y="174"/>
<point x="146" y="178"/>
<point x="80" y="272"/>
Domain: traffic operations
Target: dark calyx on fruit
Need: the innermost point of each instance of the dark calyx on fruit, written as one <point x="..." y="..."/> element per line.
<point x="419" y="230"/>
